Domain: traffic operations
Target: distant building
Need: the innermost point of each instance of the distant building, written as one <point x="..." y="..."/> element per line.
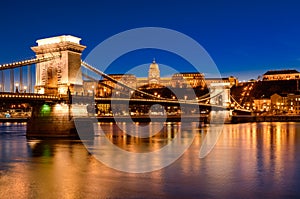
<point x="153" y="73"/>
<point x="279" y="103"/>
<point x="232" y="80"/>
<point x="293" y="101"/>
<point x="281" y="75"/>
<point x="128" y="79"/>
<point x="262" y="105"/>
<point x="183" y="80"/>
<point x="154" y="80"/>
<point x="105" y="87"/>
<point x="89" y="88"/>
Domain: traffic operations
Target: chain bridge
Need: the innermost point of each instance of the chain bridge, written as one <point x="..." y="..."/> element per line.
<point x="57" y="95"/>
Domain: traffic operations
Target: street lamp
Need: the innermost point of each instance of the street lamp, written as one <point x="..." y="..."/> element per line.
<point x="104" y="92"/>
<point x="68" y="89"/>
<point x="69" y="94"/>
<point x="93" y="87"/>
<point x="25" y="87"/>
<point x="17" y="87"/>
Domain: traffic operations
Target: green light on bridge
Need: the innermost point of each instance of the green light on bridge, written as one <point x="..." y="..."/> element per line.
<point x="45" y="110"/>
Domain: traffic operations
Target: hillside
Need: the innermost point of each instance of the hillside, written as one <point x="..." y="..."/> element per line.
<point x="246" y="92"/>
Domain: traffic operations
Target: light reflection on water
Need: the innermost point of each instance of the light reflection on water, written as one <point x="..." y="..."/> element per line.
<point x="158" y="135"/>
<point x="258" y="160"/>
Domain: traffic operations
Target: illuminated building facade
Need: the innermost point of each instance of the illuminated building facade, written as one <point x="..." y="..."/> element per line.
<point x="153" y="73"/>
<point x="231" y="80"/>
<point x="293" y="101"/>
<point x="183" y="80"/>
<point x="105" y="86"/>
<point x="281" y="75"/>
<point x="262" y="105"/>
<point x="279" y="103"/>
<point x="197" y="80"/>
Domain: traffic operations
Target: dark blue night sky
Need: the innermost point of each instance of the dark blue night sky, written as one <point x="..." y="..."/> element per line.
<point x="245" y="38"/>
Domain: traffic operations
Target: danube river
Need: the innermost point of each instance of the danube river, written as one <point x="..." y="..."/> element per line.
<point x="252" y="160"/>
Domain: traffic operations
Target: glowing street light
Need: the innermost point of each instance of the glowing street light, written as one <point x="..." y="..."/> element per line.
<point x="17" y="87"/>
<point x="93" y="89"/>
<point x="104" y="92"/>
<point x="25" y="87"/>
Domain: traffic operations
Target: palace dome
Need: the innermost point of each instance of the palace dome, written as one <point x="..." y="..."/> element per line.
<point x="153" y="73"/>
<point x="154" y="66"/>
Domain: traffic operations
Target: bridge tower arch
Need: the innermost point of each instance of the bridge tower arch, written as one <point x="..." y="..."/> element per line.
<point x="63" y="71"/>
<point x="220" y="93"/>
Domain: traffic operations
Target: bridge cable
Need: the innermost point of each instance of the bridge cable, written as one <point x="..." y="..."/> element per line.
<point x="26" y="62"/>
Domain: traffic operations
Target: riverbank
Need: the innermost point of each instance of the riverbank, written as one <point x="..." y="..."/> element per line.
<point x="14" y="120"/>
<point x="265" y="118"/>
<point x="144" y="118"/>
<point x="204" y="119"/>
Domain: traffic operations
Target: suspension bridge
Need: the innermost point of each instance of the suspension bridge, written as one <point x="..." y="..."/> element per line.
<point x="58" y="94"/>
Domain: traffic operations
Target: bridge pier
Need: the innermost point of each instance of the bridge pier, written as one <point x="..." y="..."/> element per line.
<point x="220" y="116"/>
<point x="59" y="75"/>
<point x="54" y="120"/>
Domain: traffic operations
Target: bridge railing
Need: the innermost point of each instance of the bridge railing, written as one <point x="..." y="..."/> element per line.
<point x="28" y="96"/>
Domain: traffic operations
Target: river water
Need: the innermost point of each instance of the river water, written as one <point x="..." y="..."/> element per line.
<point x="253" y="160"/>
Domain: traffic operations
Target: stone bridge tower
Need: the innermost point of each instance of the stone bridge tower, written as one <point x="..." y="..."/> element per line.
<point x="222" y="93"/>
<point x="64" y="70"/>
